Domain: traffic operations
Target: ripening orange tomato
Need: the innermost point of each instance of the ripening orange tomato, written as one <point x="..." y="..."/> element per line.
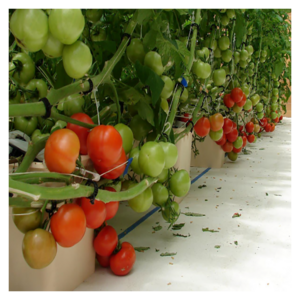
<point x="216" y="122"/>
<point x="202" y="127"/>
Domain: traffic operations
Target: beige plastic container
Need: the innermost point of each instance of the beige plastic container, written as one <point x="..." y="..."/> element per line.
<point x="184" y="154"/>
<point x="70" y="267"/>
<point x="210" y="155"/>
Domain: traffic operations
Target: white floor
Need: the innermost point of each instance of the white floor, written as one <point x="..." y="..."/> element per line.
<point x="248" y="253"/>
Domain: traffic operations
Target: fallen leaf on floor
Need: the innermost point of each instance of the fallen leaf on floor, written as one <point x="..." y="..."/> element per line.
<point x="236" y="215"/>
<point x="261" y="149"/>
<point x="141" y="249"/>
<point x="169" y="283"/>
<point x="181" y="235"/>
<point x="171" y="264"/>
<point x="191" y="214"/>
<point x="206" y="200"/>
<point x="177" y="226"/>
<point x="168" y="254"/>
<point x="157" y="228"/>
<point x="201" y="186"/>
<point x="236" y="242"/>
<point x="277" y="195"/>
<point x="157" y="250"/>
<point x="217" y="246"/>
<point x="209" y="230"/>
<point x="267" y="194"/>
<point x="172" y="257"/>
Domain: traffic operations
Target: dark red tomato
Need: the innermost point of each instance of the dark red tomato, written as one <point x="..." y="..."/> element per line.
<point x="185" y="118"/>
<point x="242" y="102"/>
<point x="241" y="127"/>
<point x="281" y="117"/>
<point x="111" y="207"/>
<point x="263" y="122"/>
<point x="276" y="120"/>
<point x="103" y="260"/>
<point x="228" y="101"/>
<point x="77" y="201"/>
<point x="232" y="136"/>
<point x="106" y="241"/>
<point x="80" y="131"/>
<point x="68" y="225"/>
<point x="244" y="141"/>
<point x="237" y="150"/>
<point x="227" y="147"/>
<point x="251" y="138"/>
<point x="95" y="213"/>
<point x="222" y="141"/>
<point x="249" y="127"/>
<point x="104" y="144"/>
<point x="113" y="174"/>
<point x="228" y="125"/>
<point x="268" y="127"/>
<point x="122" y="262"/>
<point x="237" y="94"/>
<point x="202" y="127"/>
<point x="272" y="127"/>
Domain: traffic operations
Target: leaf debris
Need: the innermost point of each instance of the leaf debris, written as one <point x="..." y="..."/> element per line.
<point x="141" y="249"/>
<point x="178" y="226"/>
<point x="157" y="228"/>
<point x="201" y="186"/>
<point x="181" y="235"/>
<point x="209" y="230"/>
<point x="217" y="246"/>
<point x="168" y="254"/>
<point x="191" y="214"/>
<point x="236" y="215"/>
<point x="236" y="242"/>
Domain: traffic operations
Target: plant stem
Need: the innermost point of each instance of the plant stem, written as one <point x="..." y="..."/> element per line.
<point x="173" y="111"/>
<point x="39" y="177"/>
<point x="111" y="85"/>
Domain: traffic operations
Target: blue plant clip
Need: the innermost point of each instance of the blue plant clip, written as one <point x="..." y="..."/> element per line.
<point x="184" y="82"/>
<point x="129" y="161"/>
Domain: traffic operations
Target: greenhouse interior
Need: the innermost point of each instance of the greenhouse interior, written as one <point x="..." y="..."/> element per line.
<point x="194" y="189"/>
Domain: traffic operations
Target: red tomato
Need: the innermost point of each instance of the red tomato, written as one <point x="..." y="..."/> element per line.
<point x="276" y="120"/>
<point x="268" y="127"/>
<point x="106" y="241"/>
<point x="227" y="147"/>
<point x="232" y="136"/>
<point x="241" y="127"/>
<point x="242" y="102"/>
<point x="104" y="144"/>
<point x="228" y="101"/>
<point x="80" y="131"/>
<point x="244" y="141"/>
<point x="113" y="174"/>
<point x="243" y="133"/>
<point x="281" y="117"/>
<point x="111" y="207"/>
<point x="222" y="141"/>
<point x="95" y="213"/>
<point x="234" y="126"/>
<point x="62" y="151"/>
<point x="228" y="125"/>
<point x="185" y="118"/>
<point x="68" y="225"/>
<point x="202" y="127"/>
<point x="263" y="122"/>
<point x="251" y="138"/>
<point x="122" y="262"/>
<point x="216" y="122"/>
<point x="272" y="127"/>
<point x="237" y="150"/>
<point x="103" y="260"/>
<point x="237" y="94"/>
<point x="249" y="127"/>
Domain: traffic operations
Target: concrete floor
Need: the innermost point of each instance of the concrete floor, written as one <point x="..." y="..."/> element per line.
<point x="251" y="252"/>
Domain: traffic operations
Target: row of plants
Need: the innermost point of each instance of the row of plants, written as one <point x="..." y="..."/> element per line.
<point x="111" y="85"/>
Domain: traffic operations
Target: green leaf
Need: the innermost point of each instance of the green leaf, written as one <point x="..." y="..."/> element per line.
<point x="157" y="228"/>
<point x="236" y="242"/>
<point x="172" y="137"/>
<point x="62" y="78"/>
<point x="178" y="226"/>
<point x="144" y="15"/>
<point x="279" y="68"/>
<point x="183" y="11"/>
<point x="217" y="246"/>
<point x="168" y="254"/>
<point x="150" y="78"/>
<point x="240" y="28"/>
<point x="141" y="249"/>
<point x="145" y="112"/>
<point x="149" y="40"/>
<point x="209" y="230"/>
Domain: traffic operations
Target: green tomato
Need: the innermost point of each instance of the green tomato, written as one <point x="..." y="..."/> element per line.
<point x="185" y="95"/>
<point x="135" y="51"/>
<point x="217" y="53"/>
<point x="268" y="110"/>
<point x="243" y="64"/>
<point x="139" y="127"/>
<point x="259" y="107"/>
<point x="274" y="106"/>
<point x="236" y="108"/>
<point x="274" y="99"/>
<point x="38" y="85"/>
<point x="26" y="124"/>
<point x="153" y="61"/>
<point x="143" y="201"/>
<point x="264" y="53"/>
<point x="247" y="106"/>
<point x="263" y="81"/>
<point x="168" y="87"/>
<point x="73" y="104"/>
<point x="219" y="77"/>
<point x="238" y="143"/>
<point x="134" y="153"/>
<point x="14" y="96"/>
<point x="203" y="53"/>
<point x="26" y="219"/>
<point x="224" y="20"/>
<point x="180" y="183"/>
<point x="262" y="59"/>
<point x="255" y="99"/>
<point x="152" y="159"/>
<point x="160" y="194"/>
<point x="164" y="105"/>
<point x="93" y="15"/>
<point x="226" y="68"/>
<point x="213" y="45"/>
<point x="230" y="13"/>
<point x="273" y="115"/>
<point x="99" y="35"/>
<point x="237" y="57"/>
<point x="171" y="154"/>
<point x="245" y="88"/>
<point x="244" y="55"/>
<point x="227" y="55"/>
<point x="275" y="92"/>
<point x="249" y="49"/>
<point x="163" y="176"/>
<point x="232" y="156"/>
<point x="127" y="136"/>
<point x="251" y="66"/>
<point x="251" y="72"/>
<point x="53" y="47"/>
<point x="77" y="59"/>
<point x="30" y="28"/>
<point x="201" y="69"/>
<point x="260" y="115"/>
<point x="66" y="25"/>
<point x="216" y="135"/>
<point x="171" y="212"/>
<point x="224" y="43"/>
<point x="22" y="68"/>
<point x="39" y="248"/>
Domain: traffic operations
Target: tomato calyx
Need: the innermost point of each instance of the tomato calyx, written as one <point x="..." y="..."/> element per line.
<point x="118" y="247"/>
